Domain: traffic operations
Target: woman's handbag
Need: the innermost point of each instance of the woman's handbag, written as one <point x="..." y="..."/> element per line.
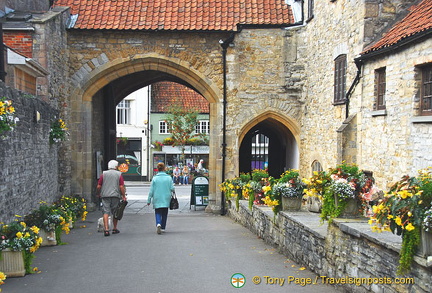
<point x="174" y="204"/>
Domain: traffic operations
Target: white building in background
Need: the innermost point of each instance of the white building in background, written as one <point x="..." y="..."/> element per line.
<point x="133" y="138"/>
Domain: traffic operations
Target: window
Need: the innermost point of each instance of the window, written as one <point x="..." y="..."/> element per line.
<point x="316" y="167"/>
<point x="426" y="91"/>
<point x="123" y="112"/>
<point x="310" y="9"/>
<point x="339" y="79"/>
<point x="163" y="127"/>
<point x="380" y="88"/>
<point x="202" y="126"/>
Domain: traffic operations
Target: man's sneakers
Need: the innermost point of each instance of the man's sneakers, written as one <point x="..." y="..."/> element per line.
<point x="158" y="229"/>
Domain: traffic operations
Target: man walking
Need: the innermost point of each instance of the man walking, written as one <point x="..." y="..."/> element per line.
<point x="111" y="189"/>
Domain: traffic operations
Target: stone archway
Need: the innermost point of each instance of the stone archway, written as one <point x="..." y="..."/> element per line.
<point x="281" y="150"/>
<point x="98" y="90"/>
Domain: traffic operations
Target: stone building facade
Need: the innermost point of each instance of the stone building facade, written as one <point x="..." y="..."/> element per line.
<point x="278" y="77"/>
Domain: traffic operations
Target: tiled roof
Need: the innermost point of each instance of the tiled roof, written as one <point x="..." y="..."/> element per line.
<point x="207" y="15"/>
<point x="166" y="93"/>
<point x="418" y="21"/>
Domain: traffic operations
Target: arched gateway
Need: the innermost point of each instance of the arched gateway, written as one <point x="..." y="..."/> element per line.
<point x="229" y="61"/>
<point x="94" y="100"/>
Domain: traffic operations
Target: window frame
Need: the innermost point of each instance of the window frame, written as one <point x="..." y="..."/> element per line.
<point x="426" y="90"/>
<point x="202" y="126"/>
<point x="310" y="9"/>
<point x="380" y="89"/>
<point x="163" y="126"/>
<point x="124" y="112"/>
<point x="339" y="87"/>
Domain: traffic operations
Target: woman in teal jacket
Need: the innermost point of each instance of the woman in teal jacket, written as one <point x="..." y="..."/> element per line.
<point x="161" y="189"/>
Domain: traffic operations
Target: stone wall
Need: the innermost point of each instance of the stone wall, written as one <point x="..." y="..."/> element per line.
<point x="344" y="251"/>
<point x="28" y="165"/>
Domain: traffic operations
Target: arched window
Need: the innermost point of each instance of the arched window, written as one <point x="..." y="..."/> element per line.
<point x="316" y="166"/>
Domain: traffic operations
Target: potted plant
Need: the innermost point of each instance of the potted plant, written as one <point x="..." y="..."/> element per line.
<point x="404" y="211"/>
<point x="232" y="188"/>
<point x="75" y="208"/>
<point x="290" y="188"/>
<point x="342" y="196"/>
<point x="47" y="219"/>
<point x="19" y="242"/>
<point x="315" y="187"/>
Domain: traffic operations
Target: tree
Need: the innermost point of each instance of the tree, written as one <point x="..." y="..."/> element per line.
<point x="181" y="123"/>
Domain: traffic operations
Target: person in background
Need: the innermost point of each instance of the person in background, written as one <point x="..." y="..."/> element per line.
<point x="111" y="189"/>
<point x="177" y="176"/>
<point x="200" y="167"/>
<point x="185" y="175"/>
<point x="161" y="188"/>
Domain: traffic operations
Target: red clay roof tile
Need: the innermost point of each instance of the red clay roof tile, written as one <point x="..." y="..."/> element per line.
<point x="418" y="20"/>
<point x="177" y="15"/>
<point x="166" y="93"/>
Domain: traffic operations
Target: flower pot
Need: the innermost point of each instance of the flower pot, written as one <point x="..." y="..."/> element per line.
<point x="12" y="263"/>
<point x="48" y="238"/>
<point x="313" y="204"/>
<point x="425" y="247"/>
<point x="291" y="203"/>
<point x="351" y="209"/>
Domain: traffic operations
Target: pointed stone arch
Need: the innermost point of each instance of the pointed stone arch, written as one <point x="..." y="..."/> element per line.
<point x="283" y="147"/>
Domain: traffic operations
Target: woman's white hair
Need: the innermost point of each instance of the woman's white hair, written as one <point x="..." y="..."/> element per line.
<point x="112" y="164"/>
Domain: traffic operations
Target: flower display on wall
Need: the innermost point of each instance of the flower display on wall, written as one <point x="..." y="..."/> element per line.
<point x="58" y="131"/>
<point x="8" y="119"/>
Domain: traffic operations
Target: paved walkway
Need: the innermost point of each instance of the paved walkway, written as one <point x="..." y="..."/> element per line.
<point x="199" y="252"/>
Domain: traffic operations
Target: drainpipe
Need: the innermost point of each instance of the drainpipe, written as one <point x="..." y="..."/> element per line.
<point x="2" y="57"/>
<point x="358" y="62"/>
<point x="224" y="44"/>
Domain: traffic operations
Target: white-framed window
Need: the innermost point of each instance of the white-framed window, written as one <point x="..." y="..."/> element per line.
<point x="163" y="127"/>
<point x="203" y="126"/>
<point x="123" y="112"/>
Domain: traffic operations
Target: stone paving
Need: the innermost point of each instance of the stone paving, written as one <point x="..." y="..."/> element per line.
<point x="200" y="252"/>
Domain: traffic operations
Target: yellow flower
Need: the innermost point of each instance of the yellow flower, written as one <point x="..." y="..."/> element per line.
<point x="10" y="109"/>
<point x="23" y="224"/>
<point x="27" y="235"/>
<point x="409" y="227"/>
<point x="398" y="221"/>
<point x="19" y="235"/>
<point x="404" y="194"/>
<point x="266" y="189"/>
<point x="35" y="229"/>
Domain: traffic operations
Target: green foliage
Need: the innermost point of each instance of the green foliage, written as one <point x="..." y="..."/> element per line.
<point x="7" y="116"/>
<point x="410" y="241"/>
<point x="58" y="131"/>
<point x="259" y="175"/>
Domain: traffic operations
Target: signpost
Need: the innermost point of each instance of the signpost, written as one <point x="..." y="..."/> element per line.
<point x="199" y="192"/>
